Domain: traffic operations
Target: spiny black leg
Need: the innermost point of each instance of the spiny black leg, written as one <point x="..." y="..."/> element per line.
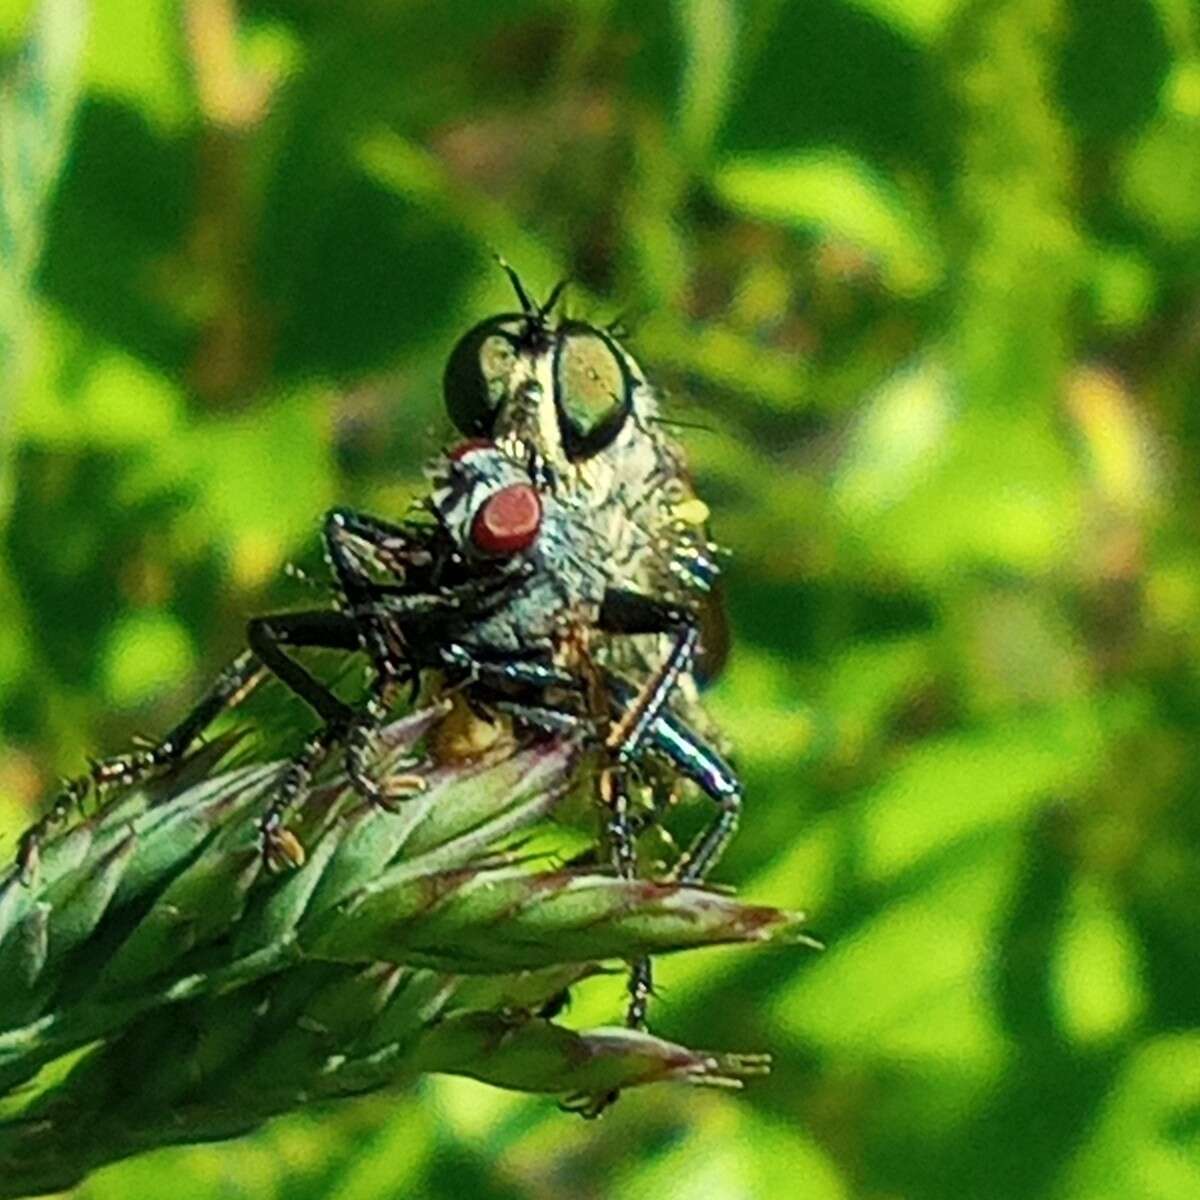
<point x="422" y="611"/>
<point x="704" y="766"/>
<point x="686" y="750"/>
<point x="280" y="848"/>
<point x="360" y="742"/>
<point x="470" y="598"/>
<point x="342" y="724"/>
<point x="626" y="737"/>
<point x="350" y="537"/>
<point x="641" y="988"/>
<point x="360" y="748"/>
<point x="329" y="630"/>
<point x="231" y="686"/>
<point x="552" y="720"/>
<point x="707" y="849"/>
<point x="389" y="616"/>
<point x="623" y="850"/>
<point x="631" y="612"/>
<point x="699" y="762"/>
<point x="320" y="629"/>
<point x="534" y="671"/>
<point x="619" y="832"/>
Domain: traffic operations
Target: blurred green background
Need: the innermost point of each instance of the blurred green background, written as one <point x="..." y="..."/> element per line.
<point x="929" y="271"/>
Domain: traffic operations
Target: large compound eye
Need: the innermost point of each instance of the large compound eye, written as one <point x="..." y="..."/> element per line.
<point x="593" y="389"/>
<point x="476" y="373"/>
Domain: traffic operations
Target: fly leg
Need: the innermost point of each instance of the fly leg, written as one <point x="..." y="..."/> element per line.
<point x="235" y="682"/>
<point x="615" y="796"/>
<point x="397" y="623"/>
<point x="360" y="748"/>
<point x="696" y="760"/>
<point x="667" y="736"/>
<point x="280" y="848"/>
<point x="352" y="542"/>
<point x="411" y="564"/>
<point x="614" y="793"/>
<point x="620" y="837"/>
<point x="631" y="612"/>
<point x="620" y="834"/>
<point x="647" y="719"/>
<point x="530" y="670"/>
<point x="353" y="539"/>
<point x="641" y="981"/>
<point x="620" y="831"/>
<point x="270" y="638"/>
<point x="266" y="636"/>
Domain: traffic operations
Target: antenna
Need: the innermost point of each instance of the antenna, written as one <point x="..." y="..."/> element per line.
<point x="553" y="298"/>
<point x="527" y="305"/>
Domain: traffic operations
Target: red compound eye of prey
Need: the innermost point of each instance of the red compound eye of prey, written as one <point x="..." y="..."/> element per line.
<point x="469" y="447"/>
<point x="507" y="521"/>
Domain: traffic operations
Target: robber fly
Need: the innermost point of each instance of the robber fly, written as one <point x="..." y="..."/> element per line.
<point x="625" y="566"/>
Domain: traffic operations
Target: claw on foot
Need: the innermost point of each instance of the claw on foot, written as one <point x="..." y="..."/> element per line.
<point x="29" y="859"/>
<point x="589" y="1107"/>
<point x="282" y="851"/>
<point x="399" y="788"/>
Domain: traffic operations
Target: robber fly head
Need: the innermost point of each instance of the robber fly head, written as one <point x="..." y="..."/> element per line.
<point x="563" y="385"/>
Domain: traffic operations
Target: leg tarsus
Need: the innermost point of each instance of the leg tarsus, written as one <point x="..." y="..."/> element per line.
<point x="641" y="988"/>
<point x="360" y="749"/>
<point x="623" y="849"/>
<point x="621" y="846"/>
<point x="281" y="849"/>
<point x="631" y="612"/>
<point x="707" y="849"/>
